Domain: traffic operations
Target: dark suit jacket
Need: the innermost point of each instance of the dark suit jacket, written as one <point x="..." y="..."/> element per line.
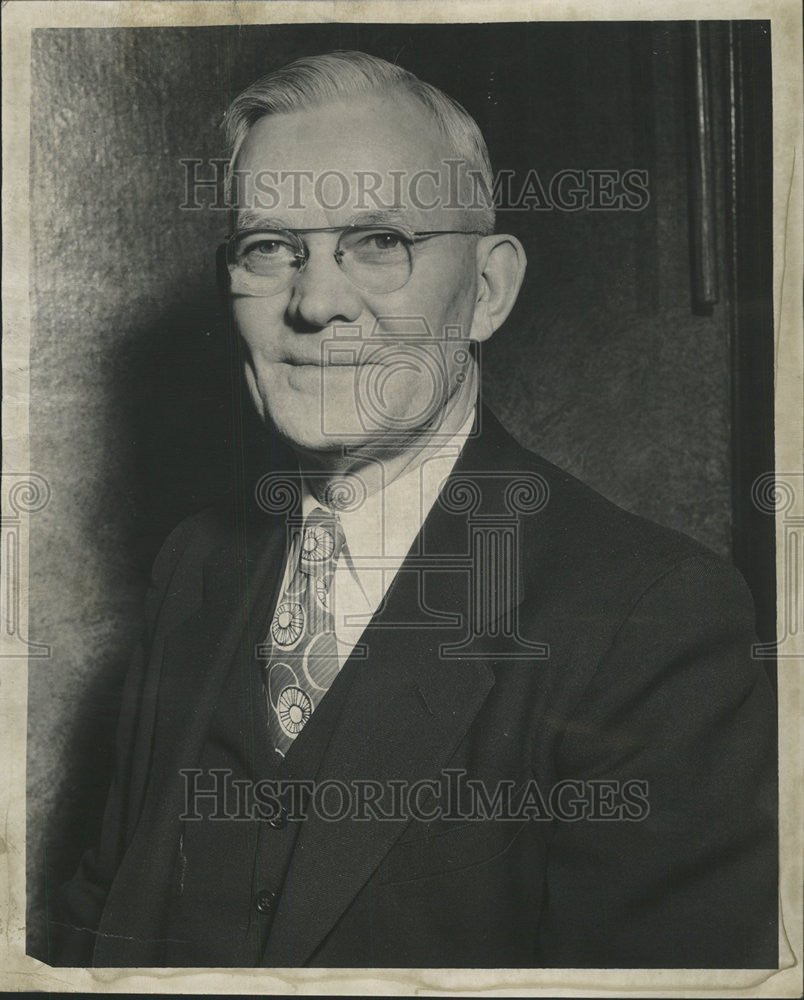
<point x="636" y="667"/>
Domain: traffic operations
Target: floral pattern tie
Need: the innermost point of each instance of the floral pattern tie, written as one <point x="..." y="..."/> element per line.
<point x="303" y="651"/>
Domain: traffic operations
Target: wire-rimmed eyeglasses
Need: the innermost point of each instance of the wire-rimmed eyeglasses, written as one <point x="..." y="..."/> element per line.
<point x="262" y="262"/>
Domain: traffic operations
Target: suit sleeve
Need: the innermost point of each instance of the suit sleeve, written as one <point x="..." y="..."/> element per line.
<point x="678" y="703"/>
<point x="79" y="903"/>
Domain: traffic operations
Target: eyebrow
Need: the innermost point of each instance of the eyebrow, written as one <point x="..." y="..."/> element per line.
<point x="378" y="217"/>
<point x="254" y="219"/>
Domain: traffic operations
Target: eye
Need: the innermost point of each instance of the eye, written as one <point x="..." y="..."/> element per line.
<point x="266" y="247"/>
<point x="384" y="241"/>
<point x="257" y="251"/>
<point x="376" y="246"/>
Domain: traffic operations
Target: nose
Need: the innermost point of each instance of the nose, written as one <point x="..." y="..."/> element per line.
<point x="322" y="294"/>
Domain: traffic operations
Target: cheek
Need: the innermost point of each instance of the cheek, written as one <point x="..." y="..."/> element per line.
<point x="442" y="292"/>
<point x="259" y="322"/>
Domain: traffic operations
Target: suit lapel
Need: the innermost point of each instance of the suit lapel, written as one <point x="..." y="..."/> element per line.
<point x="407" y="710"/>
<point x="405" y="714"/>
<point x="239" y="581"/>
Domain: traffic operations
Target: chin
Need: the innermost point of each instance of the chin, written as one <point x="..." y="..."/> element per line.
<point x="302" y="434"/>
<point x="328" y="422"/>
<point x="306" y="430"/>
<point x="306" y="435"/>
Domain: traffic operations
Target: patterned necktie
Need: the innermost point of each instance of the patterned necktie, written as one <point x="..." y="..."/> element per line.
<point x="304" y="655"/>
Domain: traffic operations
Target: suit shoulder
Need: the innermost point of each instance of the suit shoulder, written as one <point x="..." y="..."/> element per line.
<point x="195" y="536"/>
<point x="580" y="515"/>
<point x="577" y="536"/>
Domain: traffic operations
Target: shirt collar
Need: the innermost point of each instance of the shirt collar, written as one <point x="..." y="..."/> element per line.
<point x="386" y="523"/>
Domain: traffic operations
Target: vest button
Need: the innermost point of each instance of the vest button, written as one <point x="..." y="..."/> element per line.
<point x="265" y="901"/>
<point x="279" y="821"/>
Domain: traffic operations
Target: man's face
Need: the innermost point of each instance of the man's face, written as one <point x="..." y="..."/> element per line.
<point x="387" y="374"/>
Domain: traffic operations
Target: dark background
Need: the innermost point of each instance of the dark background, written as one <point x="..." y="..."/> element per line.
<point x="609" y="365"/>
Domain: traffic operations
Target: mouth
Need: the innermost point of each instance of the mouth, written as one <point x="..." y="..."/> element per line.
<point x="295" y="363"/>
<point x="329" y="363"/>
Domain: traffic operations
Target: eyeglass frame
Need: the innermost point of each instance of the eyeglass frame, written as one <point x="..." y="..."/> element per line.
<point x="303" y="254"/>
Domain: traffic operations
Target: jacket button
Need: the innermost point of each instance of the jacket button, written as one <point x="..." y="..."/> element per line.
<point x="265" y="901"/>
<point x="279" y="821"/>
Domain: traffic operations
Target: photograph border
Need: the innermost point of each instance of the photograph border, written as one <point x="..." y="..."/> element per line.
<point x="25" y="491"/>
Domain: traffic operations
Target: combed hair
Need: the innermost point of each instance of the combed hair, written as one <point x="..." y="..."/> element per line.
<point x="315" y="80"/>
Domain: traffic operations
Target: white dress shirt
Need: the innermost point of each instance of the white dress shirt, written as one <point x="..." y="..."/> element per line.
<point x="379" y="534"/>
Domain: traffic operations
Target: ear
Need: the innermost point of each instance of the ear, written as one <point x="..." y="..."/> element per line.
<point x="501" y="263"/>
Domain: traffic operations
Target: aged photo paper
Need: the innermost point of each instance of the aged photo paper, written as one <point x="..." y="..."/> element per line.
<point x="408" y="346"/>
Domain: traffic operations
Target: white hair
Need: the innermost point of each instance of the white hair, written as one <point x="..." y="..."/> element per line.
<point x="315" y="80"/>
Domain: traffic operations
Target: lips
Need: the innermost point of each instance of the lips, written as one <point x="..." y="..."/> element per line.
<point x="318" y="363"/>
<point x="331" y="362"/>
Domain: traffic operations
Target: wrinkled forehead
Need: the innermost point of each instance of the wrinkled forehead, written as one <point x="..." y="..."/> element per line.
<point x="340" y="162"/>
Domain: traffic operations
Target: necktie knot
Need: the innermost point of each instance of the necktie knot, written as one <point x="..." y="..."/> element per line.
<point x="322" y="541"/>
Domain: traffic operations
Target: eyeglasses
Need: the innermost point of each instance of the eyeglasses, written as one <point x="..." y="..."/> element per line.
<point x="263" y="262"/>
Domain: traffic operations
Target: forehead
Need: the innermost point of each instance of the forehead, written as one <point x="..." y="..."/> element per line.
<point x="380" y="132"/>
<point x="305" y="161"/>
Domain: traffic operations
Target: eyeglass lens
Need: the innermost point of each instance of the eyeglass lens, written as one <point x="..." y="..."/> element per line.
<point x="378" y="260"/>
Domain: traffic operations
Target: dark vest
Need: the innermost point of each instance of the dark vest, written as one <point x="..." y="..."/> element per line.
<point x="230" y="863"/>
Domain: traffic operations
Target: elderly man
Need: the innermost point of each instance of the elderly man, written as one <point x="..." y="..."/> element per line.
<point x="419" y="698"/>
